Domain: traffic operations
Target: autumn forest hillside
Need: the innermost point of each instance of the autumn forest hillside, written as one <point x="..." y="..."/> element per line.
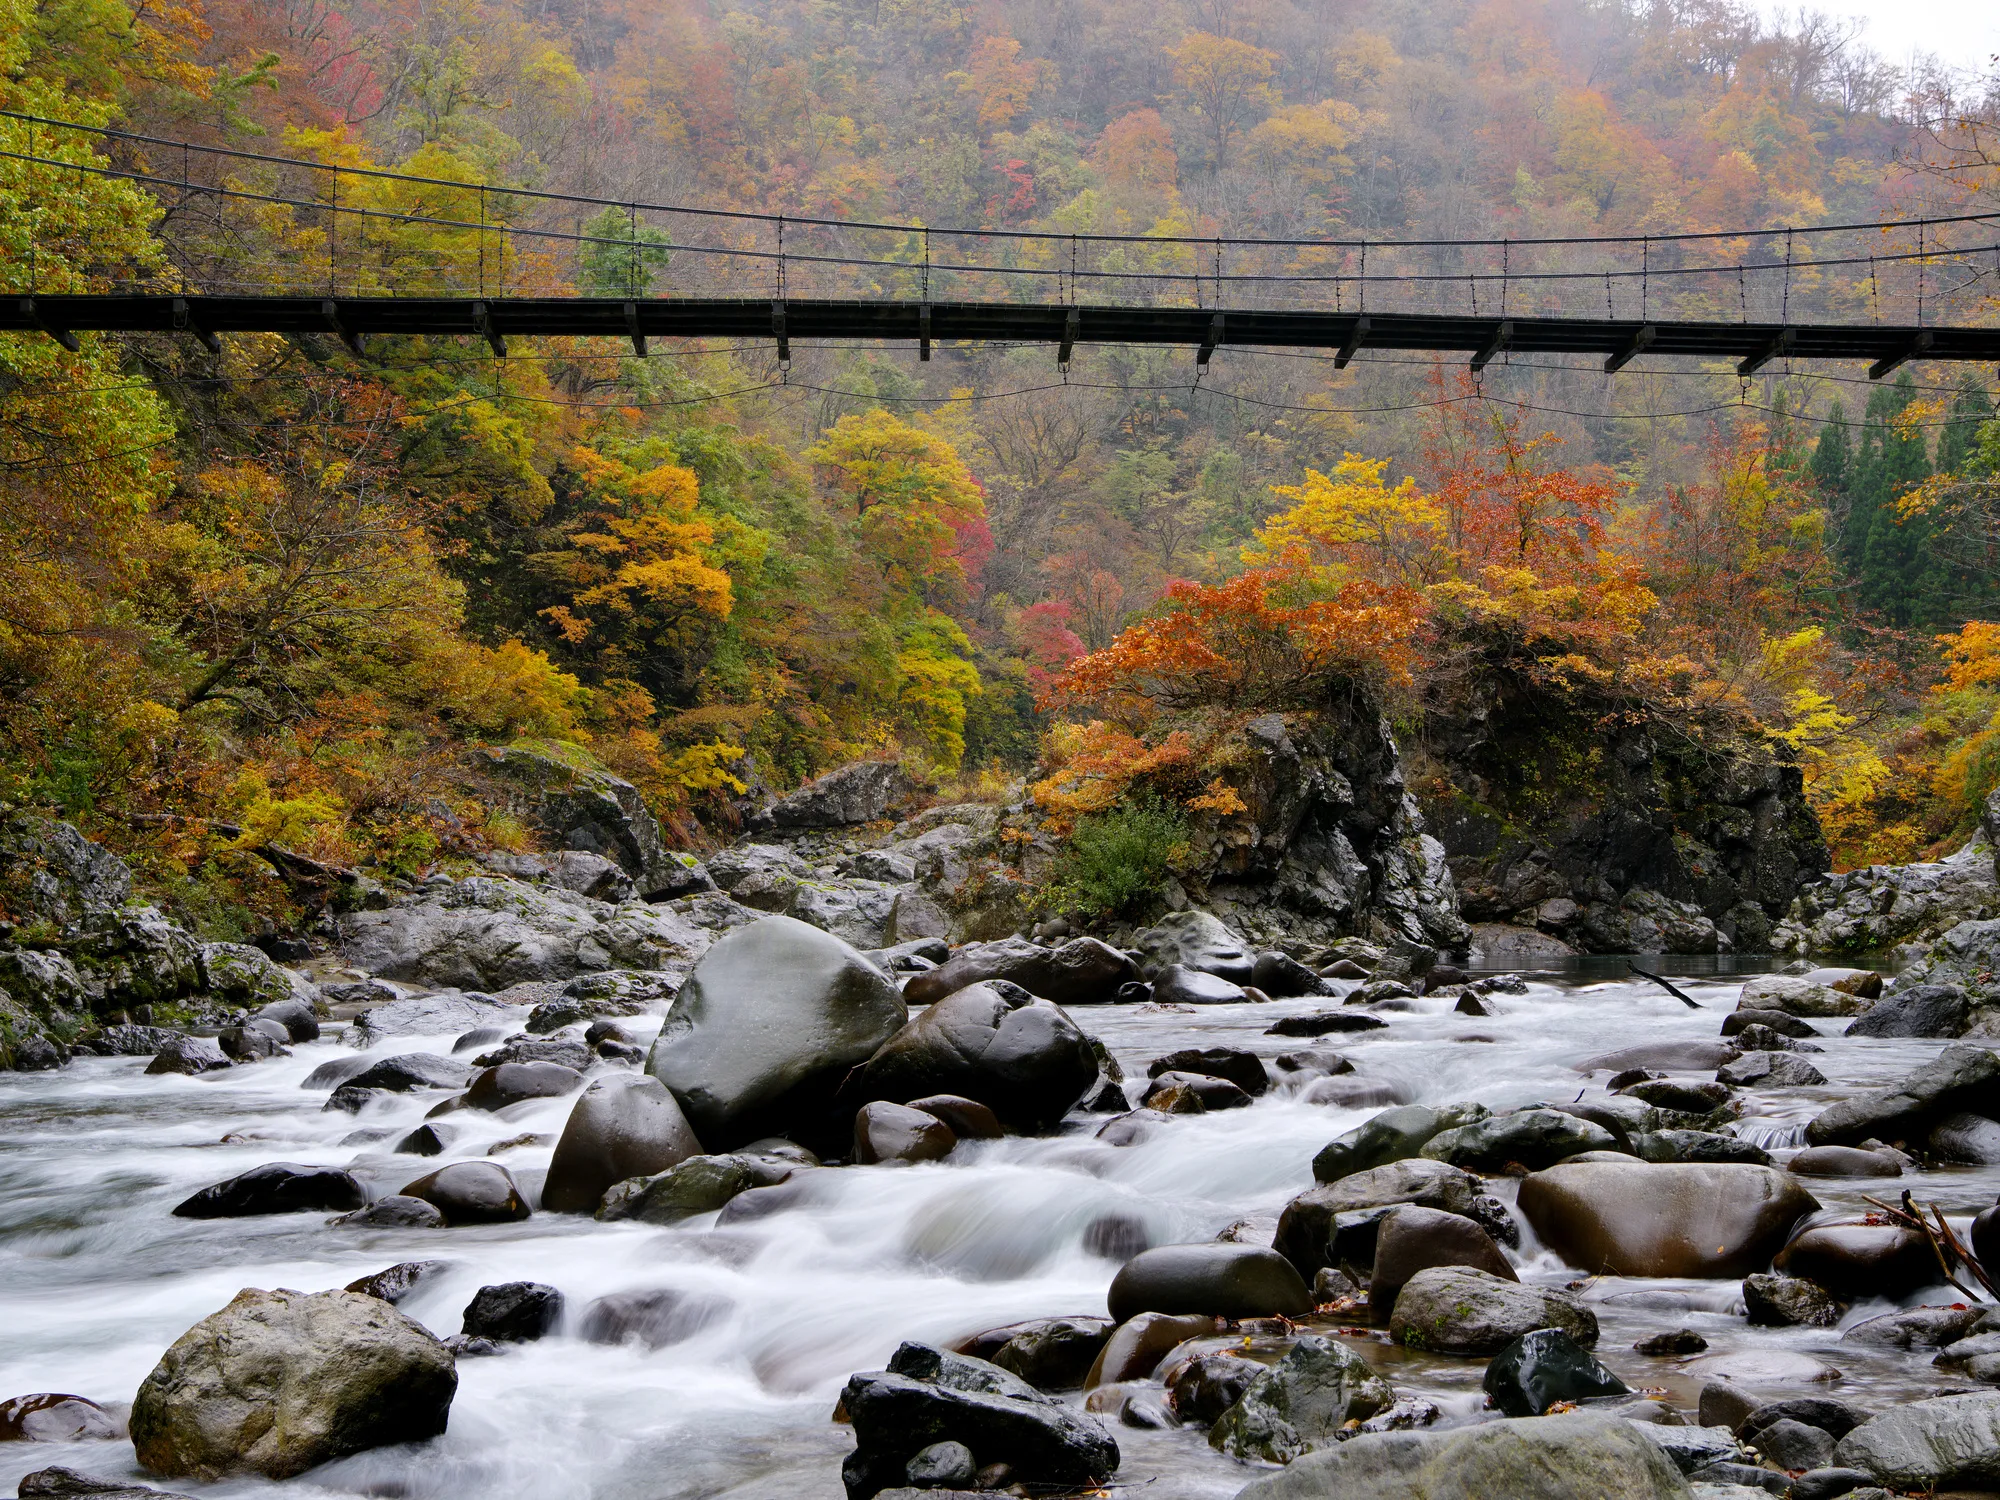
<point x="267" y="594"/>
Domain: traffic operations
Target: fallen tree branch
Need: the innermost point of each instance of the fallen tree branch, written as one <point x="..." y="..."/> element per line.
<point x="1663" y="984"/>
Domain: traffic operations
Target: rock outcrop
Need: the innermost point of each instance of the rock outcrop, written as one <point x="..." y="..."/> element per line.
<point x="586" y="809"/>
<point x="1609" y="833"/>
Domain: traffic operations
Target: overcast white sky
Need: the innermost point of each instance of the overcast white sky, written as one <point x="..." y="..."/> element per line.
<point x="1965" y="33"/>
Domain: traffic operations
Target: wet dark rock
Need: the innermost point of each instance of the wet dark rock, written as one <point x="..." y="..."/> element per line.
<point x="279" y="1382"/>
<point x="1410" y="1239"/>
<point x="1223" y="1280"/>
<point x="1831" y="1483"/>
<point x="1975" y="1358"/>
<point x="1137" y="1345"/>
<point x="471" y="1192"/>
<point x="1244" y="1069"/>
<point x="1529" y="1139"/>
<point x="1689" y="1097"/>
<point x="1780" y="1301"/>
<point x="1774" y="1070"/>
<point x="52" y="1417"/>
<point x="1083" y="971"/>
<point x="1326" y="1023"/>
<point x="1203" y="1386"/>
<point x="1282" y="977"/>
<point x="1764" y="1039"/>
<point x="1971" y="1139"/>
<point x="1180" y="985"/>
<point x="862" y="792"/>
<point x="190" y="1054"/>
<point x="1470" y="1004"/>
<point x="1301" y="1403"/>
<point x="1696" y="1146"/>
<point x="34" y="1054"/>
<point x="255" y="1042"/>
<point x="1306" y="1227"/>
<point x="888" y="1133"/>
<point x="425" y="1140"/>
<point x="1193" y="1093"/>
<point x="1722" y="1219"/>
<point x="128" y="1041"/>
<point x="1541" y="1368"/>
<point x="479" y="1036"/>
<point x="1861" y="1260"/>
<point x="398" y="1281"/>
<point x="942" y="1466"/>
<point x="513" y="1312"/>
<point x="554" y="1015"/>
<point x="1108" y="1100"/>
<point x="1330" y="1285"/>
<point x="1922" y="1010"/>
<point x="1843" y="1161"/>
<point x="408" y="1072"/>
<point x="699" y="1185"/>
<point x="1917" y="1327"/>
<point x="1835" y="1417"/>
<point x="1782" y="1022"/>
<point x="927" y="1396"/>
<point x="1116" y="1237"/>
<point x="769" y="1024"/>
<point x="968" y="1118"/>
<point x="394" y="1212"/>
<point x="279" y="1187"/>
<point x="1051" y="1354"/>
<point x="1023" y="1058"/>
<point x="1393" y="1135"/>
<point x="510" y="1083"/>
<point x="1679" y="1057"/>
<point x="1960" y="1078"/>
<point x="651" y="1319"/>
<point x="562" y="1051"/>
<point x="1671" y="1344"/>
<point x="1458" y="1309"/>
<point x="621" y="1127"/>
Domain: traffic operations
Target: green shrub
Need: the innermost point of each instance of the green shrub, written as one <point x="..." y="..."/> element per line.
<point x="1117" y="861"/>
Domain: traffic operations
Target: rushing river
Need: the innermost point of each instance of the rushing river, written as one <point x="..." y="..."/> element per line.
<point x="96" y="1277"/>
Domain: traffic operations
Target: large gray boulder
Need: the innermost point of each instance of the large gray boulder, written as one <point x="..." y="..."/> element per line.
<point x="1021" y="1057"/>
<point x="767" y="1027"/>
<point x="1462" y="1310"/>
<point x="1199" y="941"/>
<point x="1531" y="1138"/>
<point x="1393" y="1135"/>
<point x="51" y="875"/>
<point x="441" y="1013"/>
<point x="1306" y="1227"/>
<point x="1578" y="1456"/>
<point x="242" y="975"/>
<point x="485" y="933"/>
<point x="1302" y="1403"/>
<point x="587" y="809"/>
<point x="624" y="1126"/>
<point x="279" y="1382"/>
<point x="1959" y="1079"/>
<point x="1929" y="1010"/>
<point x="861" y="793"/>
<point x="1949" y="1443"/>
<point x="1219" y="1278"/>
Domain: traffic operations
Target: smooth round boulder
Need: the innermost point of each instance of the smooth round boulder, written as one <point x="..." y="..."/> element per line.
<point x="295" y="1015"/>
<point x="968" y="1118"/>
<point x="279" y="1187"/>
<point x="1782" y="1022"/>
<point x="1527" y="1138"/>
<point x="471" y="1192"/>
<point x="190" y="1055"/>
<point x="52" y="1417"/>
<point x="1306" y="1227"/>
<point x="623" y="1126"/>
<point x="1410" y="1239"/>
<point x="769" y="1024"/>
<point x="1051" y="1354"/>
<point x="279" y="1382"/>
<point x="254" y="1041"/>
<point x="510" y="1083"/>
<point x="1180" y="985"/>
<point x="512" y="1312"/>
<point x="1244" y="1069"/>
<point x="1173" y="1092"/>
<point x="1964" y="1137"/>
<point x="1843" y="1161"/>
<point x="1773" y="1300"/>
<point x="1463" y="1310"/>
<point x="1223" y="1280"/>
<point x="393" y="1212"/>
<point x="1985" y="1240"/>
<point x="1083" y="971"/>
<point x="993" y="1042"/>
<point x="1282" y="977"/>
<point x="408" y="1072"/>
<point x="887" y="1133"/>
<point x="1861" y="1260"/>
<point x="1694" y="1219"/>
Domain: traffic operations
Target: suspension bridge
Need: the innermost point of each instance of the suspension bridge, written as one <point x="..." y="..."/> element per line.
<point x="501" y="263"/>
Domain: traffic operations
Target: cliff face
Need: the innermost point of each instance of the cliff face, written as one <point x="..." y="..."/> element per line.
<point x="1602" y="826"/>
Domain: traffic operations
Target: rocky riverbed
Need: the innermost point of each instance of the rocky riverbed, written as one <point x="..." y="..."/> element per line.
<point x="704" y="1354"/>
